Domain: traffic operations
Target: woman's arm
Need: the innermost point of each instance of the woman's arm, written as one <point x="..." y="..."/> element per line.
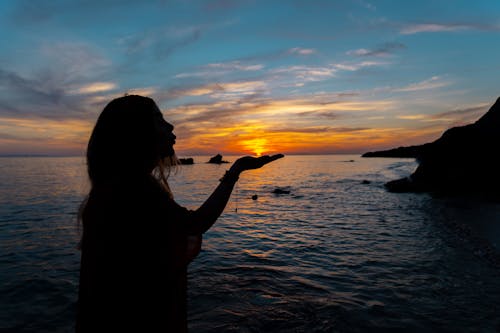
<point x="205" y="216"/>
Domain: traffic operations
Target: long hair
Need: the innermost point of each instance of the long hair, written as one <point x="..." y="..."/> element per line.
<point x="124" y="145"/>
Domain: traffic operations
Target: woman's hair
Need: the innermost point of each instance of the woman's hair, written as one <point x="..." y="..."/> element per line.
<point x="125" y="144"/>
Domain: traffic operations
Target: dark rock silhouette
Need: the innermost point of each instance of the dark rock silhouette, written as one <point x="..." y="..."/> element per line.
<point x="463" y="160"/>
<point x="411" y="152"/>
<point x="186" y="161"/>
<point x="280" y="191"/>
<point x="217" y="159"/>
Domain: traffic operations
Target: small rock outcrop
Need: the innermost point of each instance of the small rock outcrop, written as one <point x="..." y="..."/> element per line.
<point x="463" y="160"/>
<point x="280" y="191"/>
<point x="217" y="159"/>
<point x="186" y="161"/>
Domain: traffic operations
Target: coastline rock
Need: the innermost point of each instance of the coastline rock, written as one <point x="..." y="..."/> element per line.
<point x="217" y="159"/>
<point x="400" y="152"/>
<point x="463" y="160"/>
<point x="186" y="161"/>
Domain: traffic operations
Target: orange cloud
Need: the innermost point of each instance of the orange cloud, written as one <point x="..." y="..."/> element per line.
<point x="92" y="88"/>
<point x="43" y="135"/>
<point x="318" y="124"/>
<point x="295" y="125"/>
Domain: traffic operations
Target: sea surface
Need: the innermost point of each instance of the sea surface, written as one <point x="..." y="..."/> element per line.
<point x="336" y="254"/>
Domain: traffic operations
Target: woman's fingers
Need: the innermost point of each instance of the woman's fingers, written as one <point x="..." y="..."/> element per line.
<point x="277" y="156"/>
<point x="248" y="162"/>
<point x="268" y="159"/>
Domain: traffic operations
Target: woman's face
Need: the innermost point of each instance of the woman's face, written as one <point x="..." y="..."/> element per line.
<point x="166" y="137"/>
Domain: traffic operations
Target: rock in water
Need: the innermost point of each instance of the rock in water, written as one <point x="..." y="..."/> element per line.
<point x="463" y="160"/>
<point x="280" y="191"/>
<point x="217" y="159"/>
<point x="186" y="161"/>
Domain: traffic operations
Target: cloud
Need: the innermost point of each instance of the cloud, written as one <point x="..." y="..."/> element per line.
<point x="160" y="43"/>
<point x="36" y="129"/>
<point x="72" y="58"/>
<point x="236" y="90"/>
<point x="163" y="50"/>
<point x="47" y="95"/>
<point x="431" y="27"/>
<point x="16" y="88"/>
<point x="267" y="82"/>
<point x="461" y="116"/>
<point x="355" y="66"/>
<point x="219" y="69"/>
<point x="412" y="29"/>
<point x="367" y="5"/>
<point x="29" y="12"/>
<point x="147" y="91"/>
<point x="469" y="111"/>
<point x="318" y="129"/>
<point x="233" y="90"/>
<point x="245" y="64"/>
<point x="42" y="136"/>
<point x="413" y="116"/>
<point x="307" y="73"/>
<point x="282" y="77"/>
<point x="432" y="83"/>
<point x="456" y="117"/>
<point x="383" y="50"/>
<point x="270" y="110"/>
<point x="235" y="66"/>
<point x="92" y="88"/>
<point x="301" y="51"/>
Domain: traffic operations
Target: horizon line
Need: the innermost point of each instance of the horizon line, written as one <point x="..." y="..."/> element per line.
<point x="29" y="155"/>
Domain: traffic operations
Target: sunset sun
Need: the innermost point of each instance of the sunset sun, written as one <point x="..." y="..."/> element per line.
<point x="256" y="146"/>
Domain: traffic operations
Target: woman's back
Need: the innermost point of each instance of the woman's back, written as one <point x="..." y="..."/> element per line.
<point x="132" y="270"/>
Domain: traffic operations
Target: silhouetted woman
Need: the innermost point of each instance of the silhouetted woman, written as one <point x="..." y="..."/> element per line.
<point x="137" y="241"/>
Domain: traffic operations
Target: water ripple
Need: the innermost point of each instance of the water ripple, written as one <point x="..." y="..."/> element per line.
<point x="337" y="254"/>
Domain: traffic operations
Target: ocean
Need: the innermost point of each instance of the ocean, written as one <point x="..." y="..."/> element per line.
<point x="338" y="253"/>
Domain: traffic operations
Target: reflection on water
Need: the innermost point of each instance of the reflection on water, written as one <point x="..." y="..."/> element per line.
<point x="338" y="253"/>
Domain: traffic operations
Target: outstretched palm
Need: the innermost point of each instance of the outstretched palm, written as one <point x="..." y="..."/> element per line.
<point x="249" y="162"/>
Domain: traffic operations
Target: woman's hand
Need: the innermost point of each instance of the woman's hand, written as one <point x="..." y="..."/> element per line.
<point x="249" y="162"/>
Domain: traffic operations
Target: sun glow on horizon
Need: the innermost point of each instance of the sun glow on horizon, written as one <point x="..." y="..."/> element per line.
<point x="256" y="146"/>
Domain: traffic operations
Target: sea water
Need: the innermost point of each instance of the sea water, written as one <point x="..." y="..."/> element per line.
<point x="338" y="253"/>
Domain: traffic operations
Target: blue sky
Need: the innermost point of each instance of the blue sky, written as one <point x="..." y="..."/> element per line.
<point x="248" y="76"/>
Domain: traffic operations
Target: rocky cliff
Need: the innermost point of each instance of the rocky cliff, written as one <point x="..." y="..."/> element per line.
<point x="463" y="159"/>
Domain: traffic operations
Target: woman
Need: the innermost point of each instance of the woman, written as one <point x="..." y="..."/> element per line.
<point x="137" y="241"/>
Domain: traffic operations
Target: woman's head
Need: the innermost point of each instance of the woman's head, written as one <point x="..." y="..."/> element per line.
<point x="130" y="139"/>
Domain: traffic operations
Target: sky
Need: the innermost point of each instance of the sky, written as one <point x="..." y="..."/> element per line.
<point x="248" y="76"/>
